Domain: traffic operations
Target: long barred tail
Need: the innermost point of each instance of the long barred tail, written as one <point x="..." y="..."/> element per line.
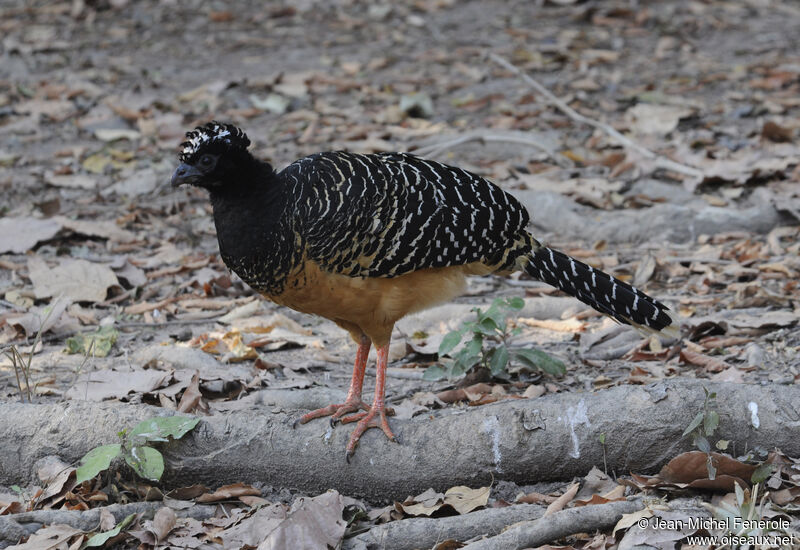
<point x="603" y="292"/>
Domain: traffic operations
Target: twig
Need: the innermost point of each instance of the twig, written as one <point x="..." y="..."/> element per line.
<point x="585" y="519"/>
<point x="437" y="148"/>
<point x="14" y="526"/>
<point x="658" y="160"/>
<point x="426" y="532"/>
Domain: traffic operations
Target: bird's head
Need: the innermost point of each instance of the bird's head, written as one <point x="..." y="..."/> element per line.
<point x="212" y="156"/>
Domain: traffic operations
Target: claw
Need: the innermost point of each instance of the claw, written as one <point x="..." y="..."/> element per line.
<point x="374" y="418"/>
<point x="334" y="411"/>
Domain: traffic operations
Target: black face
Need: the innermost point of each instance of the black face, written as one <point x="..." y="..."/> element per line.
<point x="201" y="172"/>
<point x="211" y="155"/>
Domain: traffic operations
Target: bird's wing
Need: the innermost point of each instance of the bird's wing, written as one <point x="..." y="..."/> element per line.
<point x="388" y="214"/>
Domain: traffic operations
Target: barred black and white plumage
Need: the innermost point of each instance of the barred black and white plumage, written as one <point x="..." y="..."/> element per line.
<point x="382" y="216"/>
<point x="387" y="214"/>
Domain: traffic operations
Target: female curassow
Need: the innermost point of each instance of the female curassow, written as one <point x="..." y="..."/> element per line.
<point x="364" y="240"/>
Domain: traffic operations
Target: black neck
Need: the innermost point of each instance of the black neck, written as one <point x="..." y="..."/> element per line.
<point x="250" y="219"/>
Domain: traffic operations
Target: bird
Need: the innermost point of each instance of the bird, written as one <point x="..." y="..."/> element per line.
<point x="366" y="239"/>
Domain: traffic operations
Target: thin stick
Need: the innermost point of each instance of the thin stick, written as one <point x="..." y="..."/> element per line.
<point x="586" y="519"/>
<point x="437" y="148"/>
<point x="659" y="161"/>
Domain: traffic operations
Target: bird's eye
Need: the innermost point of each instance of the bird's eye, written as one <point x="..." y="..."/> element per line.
<point x="206" y="160"/>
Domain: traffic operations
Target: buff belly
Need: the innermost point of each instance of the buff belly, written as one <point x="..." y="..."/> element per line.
<point x="372" y="305"/>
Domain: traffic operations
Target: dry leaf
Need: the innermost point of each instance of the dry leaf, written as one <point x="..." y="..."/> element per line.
<point x="464" y="500"/>
<point x="310" y="523"/>
<point x="229" y="492"/>
<point x="559" y="503"/>
<point x="710" y="364"/>
<point x="646" y="118"/>
<point x="79" y="280"/>
<point x="423" y="504"/>
<point x="18" y="235"/>
<point x="691" y="466"/>
<point x="163" y="522"/>
<point x="97" y="228"/>
<point x="191" y="398"/>
<point x="116" y="384"/>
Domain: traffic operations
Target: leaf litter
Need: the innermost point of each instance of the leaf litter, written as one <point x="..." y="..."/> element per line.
<point x="146" y="268"/>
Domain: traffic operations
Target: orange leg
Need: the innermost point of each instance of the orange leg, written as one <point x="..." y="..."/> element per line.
<point x="352" y="402"/>
<point x="375" y="417"/>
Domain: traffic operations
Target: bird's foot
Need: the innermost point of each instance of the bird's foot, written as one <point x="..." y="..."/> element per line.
<point x="334" y="411"/>
<point x="373" y="418"/>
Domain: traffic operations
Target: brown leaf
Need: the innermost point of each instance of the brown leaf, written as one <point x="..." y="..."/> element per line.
<point x="470" y="393"/>
<point x="192" y="398"/>
<point x="781" y="498"/>
<point x="535" y="498"/>
<point x="559" y="503"/>
<point x="163" y="522"/>
<point x="775" y="132"/>
<point x="14" y="507"/>
<point x="691" y="466"/>
<point x="595" y="499"/>
<point x="710" y="364"/>
<point x="229" y="492"/>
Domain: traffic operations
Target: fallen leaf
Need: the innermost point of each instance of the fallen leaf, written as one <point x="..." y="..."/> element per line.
<point x="43" y="318"/>
<point x="229" y="492"/>
<point x="710" y="364"/>
<point x="72" y="181"/>
<point x="776" y="133"/>
<point x="535" y="498"/>
<point x="691" y="466"/>
<point x="52" y="537"/>
<point x="423" y="504"/>
<point x="191" y="400"/>
<point x="116" y="384"/>
<point x="559" y="503"/>
<point x="628" y="520"/>
<point x="113" y="134"/>
<point x="464" y="500"/>
<point x="97" y="228"/>
<point x="79" y="280"/>
<point x="310" y="523"/>
<point x="18" y="235"/>
<point x="647" y="118"/>
<point x="97" y="344"/>
<point x="163" y="522"/>
<point x="418" y="104"/>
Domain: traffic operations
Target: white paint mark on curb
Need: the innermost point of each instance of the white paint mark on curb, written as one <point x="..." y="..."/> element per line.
<point x="576" y="415"/>
<point x="753" y="406"/>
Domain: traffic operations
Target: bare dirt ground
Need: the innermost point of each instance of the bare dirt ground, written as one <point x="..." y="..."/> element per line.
<point x="95" y="97"/>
